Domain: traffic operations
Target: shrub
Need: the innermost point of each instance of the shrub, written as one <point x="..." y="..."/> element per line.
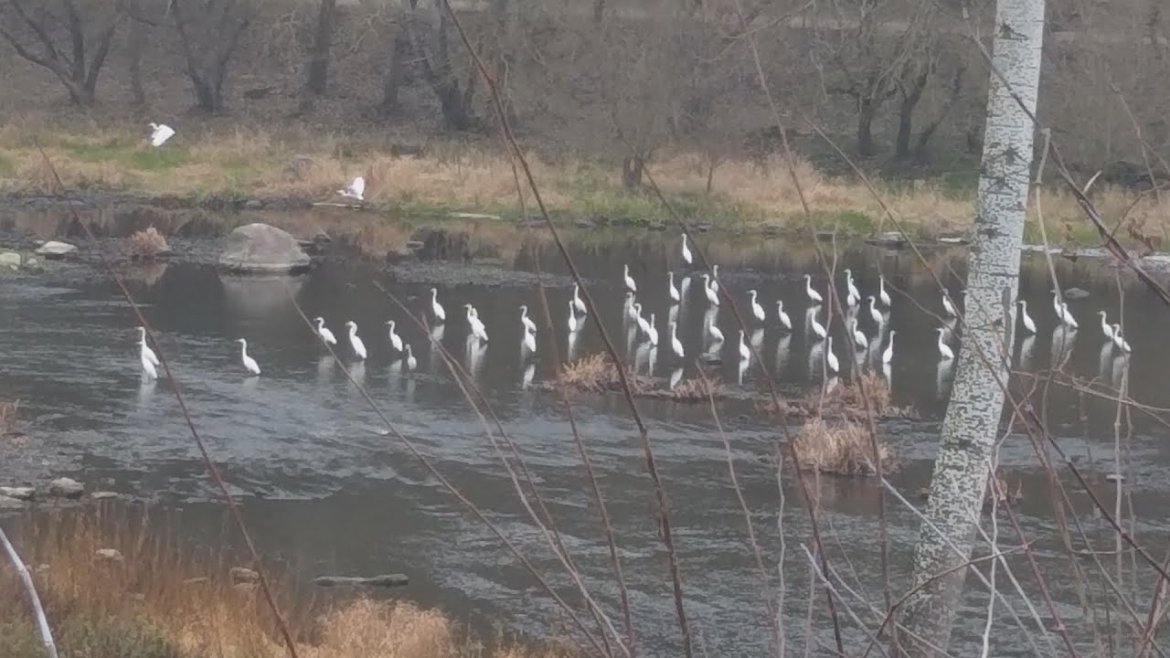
<point x="838" y="448"/>
<point x="147" y="244"/>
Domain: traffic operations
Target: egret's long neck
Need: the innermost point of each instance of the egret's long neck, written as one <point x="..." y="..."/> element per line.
<point x="243" y="349"/>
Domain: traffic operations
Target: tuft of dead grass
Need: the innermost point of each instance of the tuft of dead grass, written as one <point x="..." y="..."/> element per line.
<point x="152" y="597"/>
<point x="8" y="412"/>
<point x="147" y="244"/>
<point x="596" y="374"/>
<point x="839" y="447"/>
<point x="698" y="389"/>
<point x="849" y="400"/>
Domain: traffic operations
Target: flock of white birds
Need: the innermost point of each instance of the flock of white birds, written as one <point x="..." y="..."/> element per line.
<point x="647" y="330"/>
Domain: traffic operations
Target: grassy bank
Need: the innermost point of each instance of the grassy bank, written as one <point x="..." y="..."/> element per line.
<point x="240" y="164"/>
<point x="114" y="585"/>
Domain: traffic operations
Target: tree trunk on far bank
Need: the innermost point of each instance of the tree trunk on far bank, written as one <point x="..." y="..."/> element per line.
<point x="971" y="425"/>
<point x="318" y="69"/>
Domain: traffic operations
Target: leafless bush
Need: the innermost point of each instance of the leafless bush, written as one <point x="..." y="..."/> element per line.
<point x="698" y="389"/>
<point x="147" y="244"/>
<point x="840" y="447"/>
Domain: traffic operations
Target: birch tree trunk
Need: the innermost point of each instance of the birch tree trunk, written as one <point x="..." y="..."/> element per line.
<point x="972" y="420"/>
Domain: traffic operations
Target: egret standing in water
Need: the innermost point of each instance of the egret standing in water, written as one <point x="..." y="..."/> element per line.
<point x="813" y="296"/>
<point x="711" y="290"/>
<point x="818" y="329"/>
<point x="744" y="352"/>
<point x="944" y="350"/>
<point x="437" y="308"/>
<point x="874" y="313"/>
<point x="882" y="294"/>
<point x="852" y="296"/>
<point x="477" y="328"/>
<point x="1029" y="325"/>
<point x="674" y="296"/>
<point x="249" y="363"/>
<point x="148" y="369"/>
<point x="888" y="355"/>
<point x="572" y="319"/>
<point x="830" y="358"/>
<point x="1105" y="328"/>
<point x="529" y="325"/>
<point x="630" y="284"/>
<point x="686" y="251"/>
<point x="785" y="321"/>
<point x="859" y="340"/>
<point x="715" y="278"/>
<point x="577" y="302"/>
<point x="359" y="348"/>
<point x="356" y="189"/>
<point x="757" y="310"/>
<point x="643" y="325"/>
<point x="411" y="362"/>
<point x="395" y="339"/>
<point x="147" y="354"/>
<point x="1119" y="340"/>
<point x="948" y="306"/>
<point x="675" y="344"/>
<point x="529" y="339"/>
<point x="652" y="331"/>
<point x="324" y="333"/>
<point x="160" y="133"/>
<point x="714" y="333"/>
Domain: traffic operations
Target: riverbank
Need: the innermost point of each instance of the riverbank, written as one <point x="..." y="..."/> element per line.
<point x="255" y="169"/>
<point x="116" y="583"/>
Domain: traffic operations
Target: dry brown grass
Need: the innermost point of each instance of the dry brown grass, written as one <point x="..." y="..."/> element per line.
<point x="839" y="447"/>
<point x="8" y="412"/>
<point x="162" y="600"/>
<point x="595" y="374"/>
<point x="699" y="389"/>
<point x="848" y="397"/>
<point x="147" y="244"/>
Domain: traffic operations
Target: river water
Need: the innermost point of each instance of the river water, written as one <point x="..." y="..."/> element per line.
<point x="323" y="486"/>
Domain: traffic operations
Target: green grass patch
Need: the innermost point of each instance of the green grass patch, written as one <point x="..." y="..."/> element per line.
<point x="7" y="166"/>
<point x="847" y="221"/>
<point x="106" y="638"/>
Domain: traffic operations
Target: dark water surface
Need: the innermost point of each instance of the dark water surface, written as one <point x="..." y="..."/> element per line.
<point x="323" y="486"/>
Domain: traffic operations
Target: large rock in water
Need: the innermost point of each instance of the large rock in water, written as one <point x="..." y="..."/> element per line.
<point x="262" y="248"/>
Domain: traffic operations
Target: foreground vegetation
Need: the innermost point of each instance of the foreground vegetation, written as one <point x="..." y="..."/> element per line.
<point x="116" y="586"/>
<point x="252" y="164"/>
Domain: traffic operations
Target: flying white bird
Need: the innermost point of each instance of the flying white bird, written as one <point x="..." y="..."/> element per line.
<point x="324" y="333"/>
<point x="436" y="307"/>
<point x="395" y="339"/>
<point x="160" y="133"/>
<point x="359" y="348"/>
<point x="249" y="363"/>
<point x="356" y="189"/>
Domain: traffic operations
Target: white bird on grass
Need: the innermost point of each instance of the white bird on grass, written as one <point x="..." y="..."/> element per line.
<point x="147" y="354"/>
<point x="785" y="321"/>
<point x="813" y="296"/>
<point x="888" y="355"/>
<point x="885" y="296"/>
<point x="944" y="350"/>
<point x="324" y="333"/>
<point x="852" y="296"/>
<point x="1119" y="340"/>
<point x="359" y="348"/>
<point x="249" y="363"/>
<point x="830" y="358"/>
<point x="436" y="307"/>
<point x="356" y="189"/>
<point x="675" y="344"/>
<point x="674" y="296"/>
<point x="630" y="284"/>
<point x="686" y="251"/>
<point x="577" y="302"/>
<point x="529" y="325"/>
<point x="757" y="310"/>
<point x="1029" y="325"/>
<point x="477" y="328"/>
<point x="160" y="133"/>
<point x="395" y="339"/>
<point x="710" y="288"/>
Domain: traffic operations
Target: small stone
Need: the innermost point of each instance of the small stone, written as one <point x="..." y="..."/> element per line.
<point x="245" y="588"/>
<point x="55" y="249"/>
<point x="103" y="495"/>
<point x="243" y="575"/>
<point x="10" y="259"/>
<point x="66" y="488"/>
<point x="7" y="502"/>
<point x="111" y="554"/>
<point x="19" y="493"/>
<point x="253" y="204"/>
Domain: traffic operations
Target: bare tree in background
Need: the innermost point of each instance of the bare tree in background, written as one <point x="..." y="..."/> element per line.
<point x="429" y="32"/>
<point x="318" y="69"/>
<point x="971" y="426"/>
<point x="209" y="33"/>
<point x="71" y="38"/>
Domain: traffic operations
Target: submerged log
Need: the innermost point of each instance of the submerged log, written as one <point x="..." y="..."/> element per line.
<point x="386" y="580"/>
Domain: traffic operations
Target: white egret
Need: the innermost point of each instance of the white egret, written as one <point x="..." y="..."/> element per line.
<point x="813" y="296"/>
<point x="529" y="339"/>
<point x="148" y="369"/>
<point x="785" y="321"/>
<point x="948" y="306"/>
<point x="324" y="333"/>
<point x="674" y="296"/>
<point x="160" y="133"/>
<point x="630" y="305"/>
<point x="888" y="355"/>
<point x="411" y="362"/>
<point x="852" y="296"/>
<point x="882" y="294"/>
<point x="944" y="350"/>
<point x="1057" y="304"/>
<point x="714" y="332"/>
<point x="874" y="313"/>
<point x="578" y="303"/>
<point x="356" y="189"/>
<point x="436" y="307"/>
<point x="359" y="348"/>
<point x="477" y="328"/>
<point x="715" y="278"/>
<point x="1119" y="340"/>
<point x="711" y="290"/>
<point x="831" y="359"/>
<point x="1105" y="328"/>
<point x="395" y="339"/>
<point x="643" y="325"/>
<point x="818" y="329"/>
<point x="572" y="319"/>
<point x="757" y="310"/>
<point x="1029" y="325"/>
<point x="686" y="251"/>
<point x="630" y="284"/>
<point x="744" y="352"/>
<point x="529" y="325"/>
<point x="859" y="340"/>
<point x="249" y="363"/>
<point x="652" y="331"/>
<point x="1066" y="316"/>
<point x="147" y="354"/>
<point x="675" y="344"/>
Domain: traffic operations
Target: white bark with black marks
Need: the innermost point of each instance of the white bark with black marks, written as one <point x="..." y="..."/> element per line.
<point x="971" y="425"/>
